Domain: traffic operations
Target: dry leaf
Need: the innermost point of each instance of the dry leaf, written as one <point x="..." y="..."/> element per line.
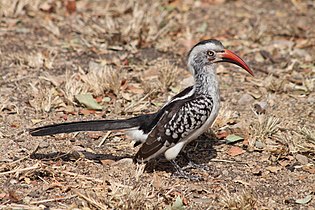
<point x="222" y="134"/>
<point x="157" y="181"/>
<point x="35" y="121"/>
<point x="284" y="163"/>
<point x="233" y="138"/>
<point x="95" y="134"/>
<point x="88" y="101"/>
<point x="3" y="195"/>
<point x="86" y="111"/>
<point x="177" y="205"/>
<point x="71" y="6"/>
<point x="305" y="200"/>
<point x="310" y="169"/>
<point x="126" y="96"/>
<point x="234" y="151"/>
<point x="107" y="162"/>
<point x="13" y="196"/>
<point x="134" y="89"/>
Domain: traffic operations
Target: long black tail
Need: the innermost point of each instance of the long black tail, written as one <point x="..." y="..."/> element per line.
<point x="93" y="125"/>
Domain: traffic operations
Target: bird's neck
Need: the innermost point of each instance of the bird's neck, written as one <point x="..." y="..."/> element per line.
<point x="206" y="82"/>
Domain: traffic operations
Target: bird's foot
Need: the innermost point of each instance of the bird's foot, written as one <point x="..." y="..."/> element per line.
<point x="189" y="176"/>
<point x="201" y="167"/>
<point x="192" y="164"/>
<point x="183" y="174"/>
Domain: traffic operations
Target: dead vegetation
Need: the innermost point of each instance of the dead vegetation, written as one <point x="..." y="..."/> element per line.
<point x="241" y="200"/>
<point x="129" y="56"/>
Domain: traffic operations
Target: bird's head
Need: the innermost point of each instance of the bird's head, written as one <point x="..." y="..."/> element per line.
<point x="211" y="51"/>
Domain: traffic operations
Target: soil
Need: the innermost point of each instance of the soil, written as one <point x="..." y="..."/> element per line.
<point x="48" y="53"/>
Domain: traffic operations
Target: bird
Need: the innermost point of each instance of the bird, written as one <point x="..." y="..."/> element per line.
<point x="181" y="120"/>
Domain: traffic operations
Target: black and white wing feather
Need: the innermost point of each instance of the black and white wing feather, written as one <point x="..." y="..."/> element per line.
<point x="180" y="121"/>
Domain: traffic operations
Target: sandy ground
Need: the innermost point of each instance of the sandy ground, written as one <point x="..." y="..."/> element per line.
<point x="131" y="57"/>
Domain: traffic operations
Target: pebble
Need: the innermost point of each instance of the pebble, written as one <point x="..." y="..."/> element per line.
<point x="124" y="161"/>
<point x="44" y="144"/>
<point x="282" y="44"/>
<point x="259" y="145"/>
<point x="301" y="159"/>
<point x="246" y="99"/>
<point x="302" y="54"/>
<point x="261" y="107"/>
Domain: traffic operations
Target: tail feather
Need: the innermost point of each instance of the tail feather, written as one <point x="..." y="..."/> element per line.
<point x="93" y="125"/>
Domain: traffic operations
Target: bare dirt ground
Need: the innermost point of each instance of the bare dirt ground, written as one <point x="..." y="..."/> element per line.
<point x="130" y="55"/>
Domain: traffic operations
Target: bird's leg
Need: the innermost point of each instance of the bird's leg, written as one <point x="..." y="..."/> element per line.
<point x="192" y="164"/>
<point x="182" y="174"/>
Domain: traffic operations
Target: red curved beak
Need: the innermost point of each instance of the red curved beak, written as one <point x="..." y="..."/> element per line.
<point x="230" y="57"/>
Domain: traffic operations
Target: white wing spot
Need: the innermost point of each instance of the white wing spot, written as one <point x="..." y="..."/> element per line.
<point x="203" y="118"/>
<point x="167" y="132"/>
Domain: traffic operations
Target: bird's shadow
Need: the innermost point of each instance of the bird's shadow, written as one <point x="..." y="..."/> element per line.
<point x="74" y="155"/>
<point x="200" y="152"/>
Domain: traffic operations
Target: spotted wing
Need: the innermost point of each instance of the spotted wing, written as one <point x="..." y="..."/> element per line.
<point x="180" y="120"/>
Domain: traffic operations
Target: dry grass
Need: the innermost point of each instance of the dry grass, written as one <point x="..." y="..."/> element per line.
<point x="102" y="78"/>
<point x="18" y="7"/>
<point x="44" y="98"/>
<point x="264" y="127"/>
<point x="244" y="200"/>
<point x="168" y="75"/>
<point x="149" y="21"/>
<point x="132" y="193"/>
<point x="134" y="23"/>
<point x="225" y="116"/>
<point x="135" y="196"/>
<point x="308" y="134"/>
<point x="72" y="86"/>
<point x="274" y="84"/>
<point x="161" y="77"/>
<point x="306" y="140"/>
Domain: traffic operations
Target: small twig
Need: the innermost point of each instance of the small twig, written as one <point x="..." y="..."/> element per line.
<point x="138" y="102"/>
<point x="20" y="170"/>
<point x="227" y="161"/>
<point x="19" y="206"/>
<point x="241" y="182"/>
<point x="34" y="151"/>
<point x="53" y="199"/>
<point x="104" y="139"/>
<point x="15" y="80"/>
<point x="13" y="162"/>
<point x="41" y="178"/>
<point x="91" y="201"/>
<point x="164" y="30"/>
<point x="82" y="176"/>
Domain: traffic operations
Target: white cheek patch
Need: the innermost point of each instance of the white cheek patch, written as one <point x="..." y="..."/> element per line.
<point x="198" y="49"/>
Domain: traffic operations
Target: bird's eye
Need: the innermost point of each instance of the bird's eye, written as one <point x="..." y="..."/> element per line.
<point x="210" y="53"/>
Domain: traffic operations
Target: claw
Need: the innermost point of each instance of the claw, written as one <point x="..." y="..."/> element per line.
<point x="183" y="174"/>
